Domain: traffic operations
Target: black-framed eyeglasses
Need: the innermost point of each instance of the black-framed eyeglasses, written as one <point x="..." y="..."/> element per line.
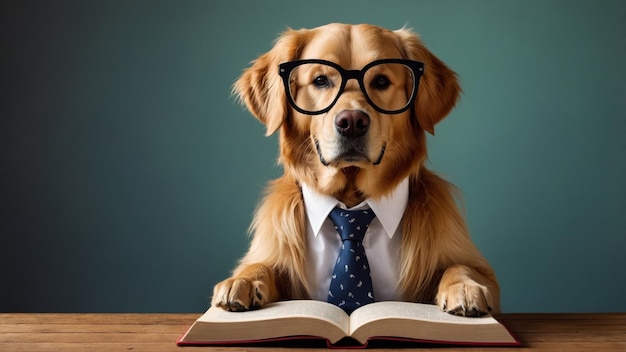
<point x="314" y="86"/>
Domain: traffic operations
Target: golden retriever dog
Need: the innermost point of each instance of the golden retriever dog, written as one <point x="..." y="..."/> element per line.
<point x="356" y="138"/>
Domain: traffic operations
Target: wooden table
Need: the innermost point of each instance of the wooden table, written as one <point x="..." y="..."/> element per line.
<point x="158" y="332"/>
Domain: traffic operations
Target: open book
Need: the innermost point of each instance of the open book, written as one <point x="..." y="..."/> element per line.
<point x="309" y="319"/>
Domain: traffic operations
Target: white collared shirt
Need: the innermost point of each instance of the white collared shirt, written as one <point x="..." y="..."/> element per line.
<point x="382" y="241"/>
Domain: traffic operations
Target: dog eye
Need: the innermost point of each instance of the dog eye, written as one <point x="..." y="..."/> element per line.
<point x="380" y="82"/>
<point x="321" y="82"/>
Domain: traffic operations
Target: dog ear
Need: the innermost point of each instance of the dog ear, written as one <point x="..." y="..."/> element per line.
<point x="261" y="88"/>
<point x="438" y="87"/>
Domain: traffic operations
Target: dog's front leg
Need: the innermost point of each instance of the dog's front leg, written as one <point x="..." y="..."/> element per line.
<point x="465" y="291"/>
<point x="251" y="287"/>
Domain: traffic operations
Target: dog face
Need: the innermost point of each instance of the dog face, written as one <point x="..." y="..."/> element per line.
<point x="355" y="149"/>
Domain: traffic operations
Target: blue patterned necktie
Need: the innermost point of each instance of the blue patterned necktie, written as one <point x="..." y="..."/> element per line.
<point x="351" y="283"/>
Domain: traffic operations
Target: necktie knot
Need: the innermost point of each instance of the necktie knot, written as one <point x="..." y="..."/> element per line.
<point x="351" y="224"/>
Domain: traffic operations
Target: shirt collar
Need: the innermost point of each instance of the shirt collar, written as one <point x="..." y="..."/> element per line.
<point x="388" y="209"/>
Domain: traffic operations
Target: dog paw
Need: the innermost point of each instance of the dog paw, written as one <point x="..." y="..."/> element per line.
<point x="252" y="287"/>
<point x="466" y="298"/>
<point x="460" y="295"/>
<point x="240" y="294"/>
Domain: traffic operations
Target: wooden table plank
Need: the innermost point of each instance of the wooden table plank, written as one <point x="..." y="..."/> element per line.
<point x="158" y="333"/>
<point x="98" y="318"/>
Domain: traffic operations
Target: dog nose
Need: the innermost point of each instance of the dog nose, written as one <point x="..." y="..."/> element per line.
<point x="352" y="123"/>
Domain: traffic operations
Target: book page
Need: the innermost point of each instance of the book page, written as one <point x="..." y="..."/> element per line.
<point x="409" y="310"/>
<point x="283" y="309"/>
<point x="274" y="321"/>
<point x="424" y="322"/>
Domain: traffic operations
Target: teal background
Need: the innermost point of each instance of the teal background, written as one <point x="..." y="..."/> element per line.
<point x="128" y="174"/>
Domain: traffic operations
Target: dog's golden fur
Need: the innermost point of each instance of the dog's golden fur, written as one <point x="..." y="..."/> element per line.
<point x="439" y="262"/>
